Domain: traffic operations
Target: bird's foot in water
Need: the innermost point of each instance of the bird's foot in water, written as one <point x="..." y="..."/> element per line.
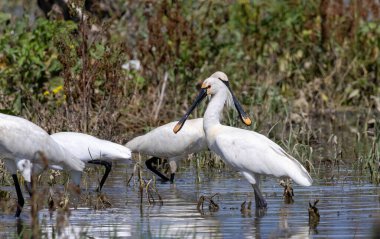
<point x="261" y="207"/>
<point x="164" y="179"/>
<point x="260" y="212"/>
<point x="260" y="202"/>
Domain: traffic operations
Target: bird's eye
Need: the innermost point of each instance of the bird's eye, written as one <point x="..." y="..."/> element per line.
<point x="209" y="86"/>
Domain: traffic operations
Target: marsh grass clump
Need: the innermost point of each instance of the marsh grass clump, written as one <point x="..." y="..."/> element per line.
<point x="368" y="153"/>
<point x="205" y="161"/>
<point x="145" y="186"/>
<point x="370" y="162"/>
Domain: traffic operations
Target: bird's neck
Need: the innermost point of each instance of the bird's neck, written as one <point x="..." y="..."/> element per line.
<point x="214" y="110"/>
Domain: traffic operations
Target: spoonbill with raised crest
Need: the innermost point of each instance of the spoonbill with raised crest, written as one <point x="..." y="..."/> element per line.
<point x="250" y="153"/>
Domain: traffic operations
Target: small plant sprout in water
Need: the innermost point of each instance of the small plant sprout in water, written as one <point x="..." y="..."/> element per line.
<point x="213" y="207"/>
<point x="313" y="215"/>
<point x="288" y="190"/>
<point x="245" y="208"/>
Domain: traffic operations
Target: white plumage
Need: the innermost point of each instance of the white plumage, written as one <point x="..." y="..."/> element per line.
<point x="162" y="143"/>
<point x="250" y="153"/>
<point x="93" y="150"/>
<point x="22" y="142"/>
<point x="22" y="139"/>
<point x="87" y="147"/>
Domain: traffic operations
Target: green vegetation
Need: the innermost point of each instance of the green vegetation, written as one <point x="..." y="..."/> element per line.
<point x="291" y="64"/>
<point x="271" y="51"/>
<point x="288" y="62"/>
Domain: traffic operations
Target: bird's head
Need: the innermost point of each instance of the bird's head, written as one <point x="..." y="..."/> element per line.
<point x="25" y="168"/>
<point x="212" y="85"/>
<point x="215" y="83"/>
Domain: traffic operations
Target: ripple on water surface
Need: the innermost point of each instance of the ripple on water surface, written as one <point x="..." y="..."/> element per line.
<point x="348" y="208"/>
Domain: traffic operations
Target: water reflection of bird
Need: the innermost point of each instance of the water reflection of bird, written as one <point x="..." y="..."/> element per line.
<point x="251" y="153"/>
<point x="92" y="150"/>
<point x="23" y="142"/>
<point x="162" y="143"/>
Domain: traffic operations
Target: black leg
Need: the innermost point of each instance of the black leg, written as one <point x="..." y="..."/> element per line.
<point x="20" y="227"/>
<point x="108" y="166"/>
<point x="20" y="198"/>
<point x="172" y="177"/>
<point x="149" y="165"/>
<point x="259" y="199"/>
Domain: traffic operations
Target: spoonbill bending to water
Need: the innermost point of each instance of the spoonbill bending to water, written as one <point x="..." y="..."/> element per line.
<point x="162" y="143"/>
<point x="92" y="150"/>
<point x="23" y="142"/>
<point x="250" y="153"/>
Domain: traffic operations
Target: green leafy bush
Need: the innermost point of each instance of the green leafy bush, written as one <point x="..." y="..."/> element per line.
<point x="30" y="68"/>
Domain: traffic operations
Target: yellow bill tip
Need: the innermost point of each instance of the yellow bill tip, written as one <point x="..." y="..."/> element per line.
<point x="177" y="127"/>
<point x="247" y="121"/>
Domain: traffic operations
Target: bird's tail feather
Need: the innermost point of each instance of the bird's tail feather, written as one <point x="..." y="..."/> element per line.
<point x="123" y="151"/>
<point x="134" y="144"/>
<point x="73" y="163"/>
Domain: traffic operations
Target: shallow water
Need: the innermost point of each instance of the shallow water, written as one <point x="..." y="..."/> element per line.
<point x="348" y="207"/>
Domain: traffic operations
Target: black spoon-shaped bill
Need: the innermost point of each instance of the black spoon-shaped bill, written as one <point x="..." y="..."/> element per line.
<point x="202" y="94"/>
<point x="243" y="116"/>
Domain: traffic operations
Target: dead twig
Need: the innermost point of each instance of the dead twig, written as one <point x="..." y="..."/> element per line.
<point x="162" y="93"/>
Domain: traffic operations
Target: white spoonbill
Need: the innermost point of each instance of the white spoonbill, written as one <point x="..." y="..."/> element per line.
<point x="23" y="142"/>
<point x="162" y="143"/>
<point x="92" y="150"/>
<point x="250" y="153"/>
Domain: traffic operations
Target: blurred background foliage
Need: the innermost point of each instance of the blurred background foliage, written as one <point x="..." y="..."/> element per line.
<point x="117" y="68"/>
